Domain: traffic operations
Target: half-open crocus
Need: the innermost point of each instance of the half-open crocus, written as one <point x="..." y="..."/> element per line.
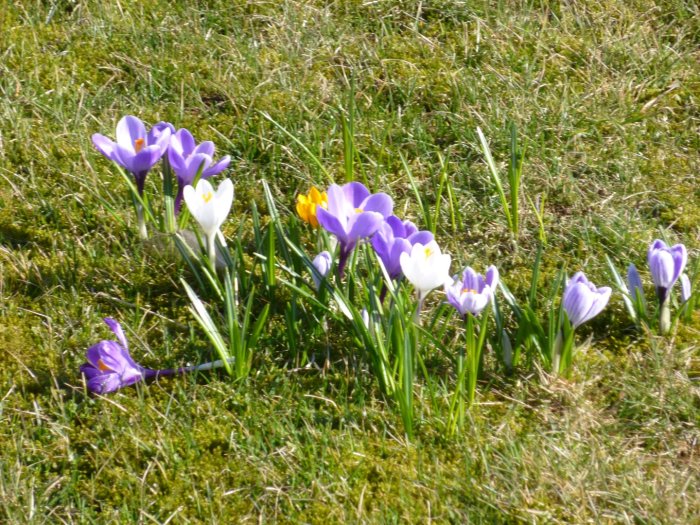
<point x="135" y="150"/>
<point x="187" y="158"/>
<point x="582" y="301"/>
<point x="395" y="237"/>
<point x="322" y="262"/>
<point x="666" y="265"/>
<point x="306" y="206"/>
<point x="110" y="366"/>
<point x="353" y="213"/>
<point x="426" y="268"/>
<point x="210" y="209"/>
<point x="474" y="292"/>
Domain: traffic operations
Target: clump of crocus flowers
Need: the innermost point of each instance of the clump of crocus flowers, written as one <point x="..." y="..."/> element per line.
<point x="138" y="151"/>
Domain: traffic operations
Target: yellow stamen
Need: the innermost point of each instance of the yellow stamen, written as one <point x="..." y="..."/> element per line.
<point x="469" y="290"/>
<point x="359" y="210"/>
<point x="428" y="252"/>
<point x="102" y="366"/>
<point x="139" y="144"/>
<point x="208" y="196"/>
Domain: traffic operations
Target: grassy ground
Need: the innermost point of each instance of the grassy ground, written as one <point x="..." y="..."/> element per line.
<point x="606" y="98"/>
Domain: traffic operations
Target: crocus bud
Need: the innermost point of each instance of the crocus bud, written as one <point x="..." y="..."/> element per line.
<point x="322" y="262"/>
<point x="686" y="289"/>
<point x="666" y="266"/>
<point x="634" y="283"/>
<point x="365" y="317"/>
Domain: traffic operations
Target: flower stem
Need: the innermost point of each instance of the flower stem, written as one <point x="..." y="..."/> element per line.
<point x="219" y="363"/>
<point x="665" y="315"/>
<point x="211" y="251"/>
<point x="558" y="348"/>
<point x="143" y="232"/>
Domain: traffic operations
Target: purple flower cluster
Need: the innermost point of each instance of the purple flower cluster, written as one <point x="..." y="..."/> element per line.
<point x="138" y="151"/>
<point x="353" y="214"/>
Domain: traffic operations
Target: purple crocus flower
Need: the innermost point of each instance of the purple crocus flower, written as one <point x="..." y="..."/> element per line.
<point x="353" y="213"/>
<point x="582" y="301"/>
<point x="186" y="158"/>
<point x="135" y="150"/>
<point x="473" y="292"/>
<point x="110" y="366"/>
<point x="666" y="266"/>
<point x="395" y="237"/>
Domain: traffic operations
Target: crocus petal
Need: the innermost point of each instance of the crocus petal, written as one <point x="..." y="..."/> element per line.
<point x="129" y="129"/>
<point x="661" y="266"/>
<point x="184" y="142"/>
<point x="380" y="203"/>
<point x="680" y="258"/>
<point x="577" y="301"/>
<point x="407" y="267"/>
<point x="355" y="193"/>
<point x="600" y="301"/>
<point x="218" y="167"/>
<point x="205" y="148"/>
<point x="395" y="226"/>
<point x="338" y="205"/>
<point x="492" y="277"/>
<point x="224" y="200"/>
<point x="145" y="159"/>
<point x="193" y="201"/>
<point x="103" y="145"/>
<point x="421" y="237"/>
<point x="392" y="264"/>
<point x="365" y="224"/>
<point x="90" y="371"/>
<point x="117" y="329"/>
<point x="193" y="163"/>
<point x="104" y="383"/>
<point x="331" y="223"/>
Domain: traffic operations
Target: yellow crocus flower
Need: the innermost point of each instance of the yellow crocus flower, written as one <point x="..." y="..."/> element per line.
<point x="306" y="205"/>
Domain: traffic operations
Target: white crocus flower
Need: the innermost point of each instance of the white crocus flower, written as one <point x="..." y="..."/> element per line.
<point x="210" y="209"/>
<point x="426" y="268"/>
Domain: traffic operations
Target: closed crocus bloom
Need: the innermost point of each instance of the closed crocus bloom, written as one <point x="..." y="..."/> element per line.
<point x="210" y="209"/>
<point x="582" y="301"/>
<point x="353" y="213"/>
<point x="186" y="158"/>
<point x="474" y="292"/>
<point x="634" y="283"/>
<point x="135" y="150"/>
<point x="686" y="289"/>
<point x="307" y="204"/>
<point x="322" y="262"/>
<point x="395" y="237"/>
<point x="110" y="366"/>
<point x="666" y="266"/>
<point x="426" y="267"/>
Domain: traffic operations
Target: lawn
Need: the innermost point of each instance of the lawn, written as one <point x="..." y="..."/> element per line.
<point x="604" y="98"/>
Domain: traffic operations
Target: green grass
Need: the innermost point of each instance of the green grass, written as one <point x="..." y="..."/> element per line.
<point x="605" y="96"/>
